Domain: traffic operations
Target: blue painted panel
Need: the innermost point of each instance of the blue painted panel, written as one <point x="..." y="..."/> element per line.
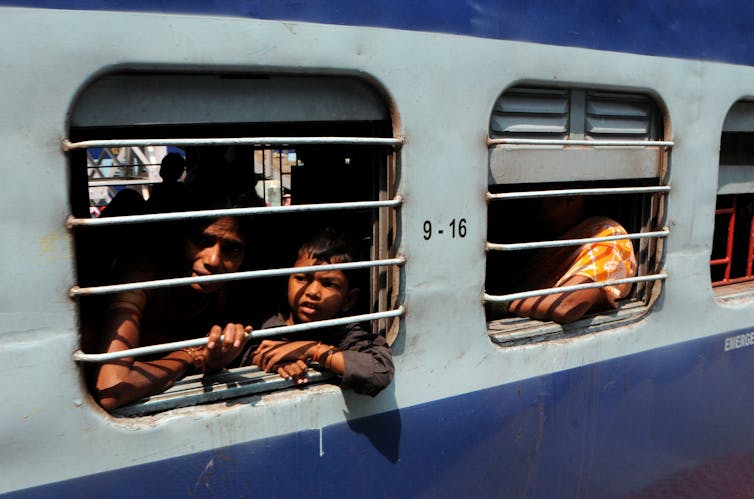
<point x="679" y="418"/>
<point x="703" y="29"/>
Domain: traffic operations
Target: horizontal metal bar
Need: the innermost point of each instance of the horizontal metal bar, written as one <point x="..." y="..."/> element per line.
<point x="577" y="192"/>
<point x="261" y="141"/>
<point x="570" y="142"/>
<point x="721" y="261"/>
<point x="732" y="280"/>
<point x="573" y="242"/>
<point x="114" y="181"/>
<point x="80" y="356"/>
<point x="72" y="222"/>
<point x="566" y="289"/>
<point x="308" y="326"/>
<point x="235" y="276"/>
<point x="119" y="165"/>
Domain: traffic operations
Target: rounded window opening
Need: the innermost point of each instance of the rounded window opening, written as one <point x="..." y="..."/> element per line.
<point x="577" y="184"/>
<point x="733" y="240"/>
<point x="192" y="196"/>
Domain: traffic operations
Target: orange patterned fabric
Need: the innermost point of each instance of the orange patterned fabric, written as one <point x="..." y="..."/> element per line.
<point x="602" y="261"/>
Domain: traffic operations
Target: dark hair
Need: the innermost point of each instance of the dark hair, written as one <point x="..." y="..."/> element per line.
<point x="171" y="237"/>
<point x="210" y="197"/>
<point x="330" y="245"/>
<point x="172" y="167"/>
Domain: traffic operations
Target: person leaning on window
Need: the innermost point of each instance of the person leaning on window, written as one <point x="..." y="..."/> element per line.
<point x="361" y="358"/>
<point x="563" y="218"/>
<point x="153" y="316"/>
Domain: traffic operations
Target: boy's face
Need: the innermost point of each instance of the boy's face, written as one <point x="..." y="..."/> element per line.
<point x="320" y="295"/>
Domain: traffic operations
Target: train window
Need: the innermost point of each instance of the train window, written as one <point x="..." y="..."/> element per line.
<point x="152" y="155"/>
<point x="733" y="241"/>
<point x="572" y="171"/>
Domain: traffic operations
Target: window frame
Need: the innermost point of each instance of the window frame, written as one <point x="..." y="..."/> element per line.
<point x="383" y="261"/>
<point x="735" y="180"/>
<point x="521" y="156"/>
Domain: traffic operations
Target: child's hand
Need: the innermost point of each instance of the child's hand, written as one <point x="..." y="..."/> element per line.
<point x="270" y="354"/>
<point x="295" y="371"/>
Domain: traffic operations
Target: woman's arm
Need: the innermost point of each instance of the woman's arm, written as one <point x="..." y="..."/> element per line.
<point x="560" y="307"/>
<point x="124" y="380"/>
<point x="121" y="381"/>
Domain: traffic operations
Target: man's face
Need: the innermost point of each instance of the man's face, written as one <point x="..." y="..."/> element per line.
<point x="217" y="249"/>
<point x="318" y="296"/>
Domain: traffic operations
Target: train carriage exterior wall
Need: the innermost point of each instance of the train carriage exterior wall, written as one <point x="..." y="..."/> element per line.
<point x="663" y="403"/>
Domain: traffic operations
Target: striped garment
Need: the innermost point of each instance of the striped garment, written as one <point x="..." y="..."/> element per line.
<point x="599" y="262"/>
<point x="603" y="261"/>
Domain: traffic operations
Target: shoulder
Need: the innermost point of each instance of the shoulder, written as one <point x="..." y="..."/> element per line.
<point x="137" y="270"/>
<point x="356" y="336"/>
<point x="276" y="320"/>
<point x="356" y="329"/>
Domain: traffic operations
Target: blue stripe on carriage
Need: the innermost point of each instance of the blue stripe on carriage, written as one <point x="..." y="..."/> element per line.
<point x="601" y="430"/>
<point x="708" y="30"/>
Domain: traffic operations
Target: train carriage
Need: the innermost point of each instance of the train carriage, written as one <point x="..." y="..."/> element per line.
<point x="427" y="130"/>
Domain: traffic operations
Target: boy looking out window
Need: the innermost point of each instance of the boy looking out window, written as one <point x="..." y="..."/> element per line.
<point x="361" y="358"/>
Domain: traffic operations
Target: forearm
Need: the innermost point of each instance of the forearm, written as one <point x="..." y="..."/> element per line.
<point x="367" y="361"/>
<point x="121" y="382"/>
<point x="363" y="360"/>
<point x="559" y="307"/>
<point x="535" y="307"/>
<point x="328" y="357"/>
<point x="367" y="372"/>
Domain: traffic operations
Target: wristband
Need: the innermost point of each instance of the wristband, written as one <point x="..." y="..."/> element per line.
<point x="325" y="360"/>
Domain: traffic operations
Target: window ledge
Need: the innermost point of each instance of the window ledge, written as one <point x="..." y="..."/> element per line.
<point x="512" y="331"/>
<point x="198" y="389"/>
<point x="730" y="294"/>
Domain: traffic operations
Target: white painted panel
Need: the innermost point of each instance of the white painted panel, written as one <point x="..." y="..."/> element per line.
<point x="148" y="99"/>
<point x="740" y="118"/>
<point x="735" y="179"/>
<point x="514" y="165"/>
<point x="557" y="124"/>
<point x="616" y="107"/>
<point x="617" y="126"/>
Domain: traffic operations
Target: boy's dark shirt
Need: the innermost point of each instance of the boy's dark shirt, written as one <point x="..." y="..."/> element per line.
<point x="367" y="358"/>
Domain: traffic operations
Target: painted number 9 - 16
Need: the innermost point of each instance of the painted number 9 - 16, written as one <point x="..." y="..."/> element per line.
<point x="456" y="228"/>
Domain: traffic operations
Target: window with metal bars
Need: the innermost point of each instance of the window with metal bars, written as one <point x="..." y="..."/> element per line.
<point x="555" y="147"/>
<point x="733" y="240"/>
<point x="310" y="151"/>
